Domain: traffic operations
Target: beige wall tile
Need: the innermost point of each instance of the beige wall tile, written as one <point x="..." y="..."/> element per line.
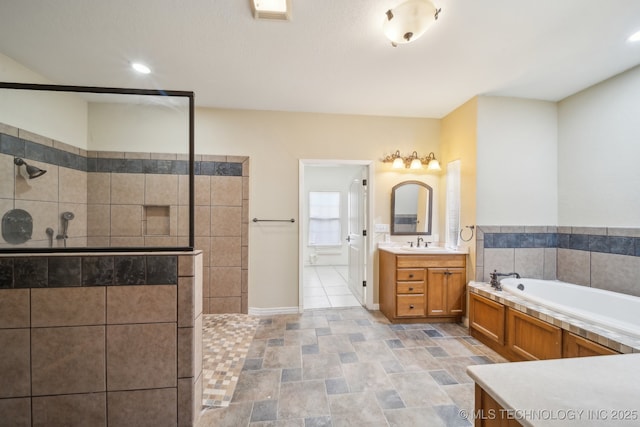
<point x="7" y="177"/>
<point x="78" y="225"/>
<point x="225" y="305"/>
<point x="625" y="232"/>
<point x="244" y="303"/>
<point x="245" y="281"/>
<point x="186" y="414"/>
<point x="68" y="306"/>
<point x="186" y="301"/>
<point x="502" y="260"/>
<point x="143" y="408"/>
<point x="213" y="158"/>
<point x="245" y="234"/>
<point x="245" y="188"/>
<point x="141" y="304"/>
<point x="14" y="308"/>
<point x="73" y="185"/>
<point x="203" y="190"/>
<point x="160" y="241"/>
<point x="226" y="221"/>
<point x="186" y="265"/>
<point x="198" y="285"/>
<point x="66" y="147"/>
<point x="126" y="242"/>
<point x="197" y="347"/>
<point x="161" y="190"/>
<point x="574" y="266"/>
<point x="226" y="191"/>
<point x="550" y="263"/>
<point x="245" y="257"/>
<point x="127" y="188"/>
<point x="110" y="154"/>
<point x="205" y="281"/>
<point x="186" y="344"/>
<point x="203" y="220"/>
<point x="98" y="242"/>
<point x="164" y="156"/>
<point x="14" y="363"/>
<point x="183" y="221"/>
<point x="226" y="252"/>
<point x="618" y="273"/>
<point x="98" y="187"/>
<point x="529" y="262"/>
<point x="246" y="167"/>
<point x="9" y="130"/>
<point x="126" y="220"/>
<point x="43" y="188"/>
<point x="245" y="211"/>
<point x="204" y="244"/>
<point x="137" y="156"/>
<point x="141" y="356"/>
<point x="15" y="412"/>
<point x="596" y="231"/>
<point x="34" y="137"/>
<point x="70" y="410"/>
<point x="225" y="282"/>
<point x="67" y="360"/>
<point x="156" y="220"/>
<point x="44" y="214"/>
<point x="236" y="159"/>
<point x="98" y="220"/>
<point x="183" y="190"/>
<point x="173" y="221"/>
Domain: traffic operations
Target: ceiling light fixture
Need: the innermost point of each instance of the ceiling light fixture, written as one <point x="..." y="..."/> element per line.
<point x="635" y="37"/>
<point x="413" y="161"/>
<point x="271" y="9"/>
<point x="409" y="20"/>
<point x="140" y="67"/>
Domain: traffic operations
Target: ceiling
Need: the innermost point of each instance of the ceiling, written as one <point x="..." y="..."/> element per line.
<point x="332" y="57"/>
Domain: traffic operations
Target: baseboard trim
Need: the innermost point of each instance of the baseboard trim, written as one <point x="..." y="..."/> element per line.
<point x="374" y="307"/>
<point x="259" y="311"/>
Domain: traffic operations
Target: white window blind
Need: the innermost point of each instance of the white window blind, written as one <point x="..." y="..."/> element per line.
<point x="324" y="218"/>
<point x="453" y="204"/>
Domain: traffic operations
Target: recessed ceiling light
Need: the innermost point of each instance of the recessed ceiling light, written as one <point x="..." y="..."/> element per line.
<point x="635" y="37"/>
<point x="271" y="9"/>
<point x="141" y="68"/>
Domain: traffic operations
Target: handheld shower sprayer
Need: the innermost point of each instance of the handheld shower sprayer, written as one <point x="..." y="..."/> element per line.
<point x="66" y="217"/>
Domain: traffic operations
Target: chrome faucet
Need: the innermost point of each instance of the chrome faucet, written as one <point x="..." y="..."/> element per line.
<point x="420" y="239"/>
<point x="494" y="279"/>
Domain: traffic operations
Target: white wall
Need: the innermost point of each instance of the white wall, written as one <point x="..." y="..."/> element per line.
<point x="275" y="141"/>
<point x="598" y="155"/>
<point x="59" y="116"/>
<point x="517" y="162"/>
<point x="328" y="178"/>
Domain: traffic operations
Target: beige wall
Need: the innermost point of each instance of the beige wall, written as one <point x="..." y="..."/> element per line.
<point x="275" y="141"/>
<point x="598" y="154"/>
<point x="60" y="116"/>
<point x="517" y="161"/>
<point x="459" y="135"/>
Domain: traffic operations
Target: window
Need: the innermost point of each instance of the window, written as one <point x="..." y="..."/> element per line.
<point x="453" y="204"/>
<point x="324" y="218"/>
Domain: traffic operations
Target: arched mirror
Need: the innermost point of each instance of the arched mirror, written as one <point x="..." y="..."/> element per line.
<point x="411" y="203"/>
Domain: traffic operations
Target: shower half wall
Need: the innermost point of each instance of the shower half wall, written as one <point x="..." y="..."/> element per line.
<point x="134" y="199"/>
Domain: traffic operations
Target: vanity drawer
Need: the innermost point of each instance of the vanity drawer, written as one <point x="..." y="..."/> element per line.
<point x="410" y="287"/>
<point x="410" y="274"/>
<point x="410" y="305"/>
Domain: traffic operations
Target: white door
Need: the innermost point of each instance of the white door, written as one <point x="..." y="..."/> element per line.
<point x="356" y="238"/>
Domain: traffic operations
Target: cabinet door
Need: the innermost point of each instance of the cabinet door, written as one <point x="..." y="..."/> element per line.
<point x="487" y="318"/>
<point x="456" y="285"/>
<point x="576" y="346"/>
<point x="532" y="339"/>
<point x="437" y="292"/>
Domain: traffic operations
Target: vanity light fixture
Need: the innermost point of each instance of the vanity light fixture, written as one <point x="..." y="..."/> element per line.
<point x="271" y="9"/>
<point x="409" y="20"/>
<point x="414" y="161"/>
<point x="140" y="67"/>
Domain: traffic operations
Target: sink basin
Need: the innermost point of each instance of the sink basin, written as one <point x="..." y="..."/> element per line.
<point x="423" y="249"/>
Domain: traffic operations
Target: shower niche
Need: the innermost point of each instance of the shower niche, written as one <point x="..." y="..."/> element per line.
<point x="96" y="168"/>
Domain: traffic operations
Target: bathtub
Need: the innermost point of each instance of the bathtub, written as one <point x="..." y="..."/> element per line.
<point x="609" y="310"/>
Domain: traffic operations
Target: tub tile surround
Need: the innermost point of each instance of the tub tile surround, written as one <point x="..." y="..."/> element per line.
<point x="601" y="257"/>
<point x="111" y="353"/>
<point x="135" y="199"/>
<point x="613" y="340"/>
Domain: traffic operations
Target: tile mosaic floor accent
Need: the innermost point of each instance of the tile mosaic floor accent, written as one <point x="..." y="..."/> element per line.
<point x="350" y="367"/>
<point x="226" y="339"/>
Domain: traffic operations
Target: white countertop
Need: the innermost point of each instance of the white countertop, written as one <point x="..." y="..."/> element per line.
<point x="585" y="391"/>
<point x="432" y="250"/>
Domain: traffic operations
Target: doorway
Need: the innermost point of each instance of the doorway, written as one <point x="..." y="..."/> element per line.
<point x="334" y="254"/>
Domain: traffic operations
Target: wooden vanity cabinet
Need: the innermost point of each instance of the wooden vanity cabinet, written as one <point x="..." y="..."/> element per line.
<point x="577" y="346"/>
<point x="529" y="338"/>
<point x="487" y="322"/>
<point x="422" y="288"/>
<point x="489" y="413"/>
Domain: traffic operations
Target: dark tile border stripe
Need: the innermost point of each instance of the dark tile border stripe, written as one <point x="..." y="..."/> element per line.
<point x="18" y="147"/>
<point x="108" y="270"/>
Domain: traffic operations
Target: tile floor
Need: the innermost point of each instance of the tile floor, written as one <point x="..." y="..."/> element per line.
<point x="350" y="367"/>
<point x="326" y="287"/>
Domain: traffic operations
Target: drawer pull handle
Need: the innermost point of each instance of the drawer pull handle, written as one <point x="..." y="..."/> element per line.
<point x="410" y="289"/>
<point x="410" y="276"/>
<point x="411" y="306"/>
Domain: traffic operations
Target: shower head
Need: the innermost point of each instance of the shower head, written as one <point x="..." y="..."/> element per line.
<point x="32" y="171"/>
<point x="68" y="216"/>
